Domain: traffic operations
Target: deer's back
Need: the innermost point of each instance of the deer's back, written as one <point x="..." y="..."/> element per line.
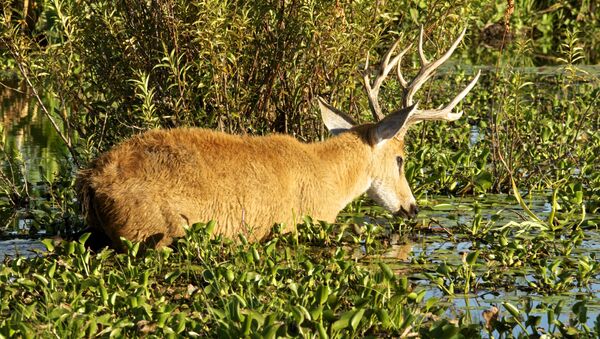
<point x="148" y="187"/>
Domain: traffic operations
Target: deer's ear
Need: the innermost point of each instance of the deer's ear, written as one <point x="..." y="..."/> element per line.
<point x="392" y="124"/>
<point x="335" y="120"/>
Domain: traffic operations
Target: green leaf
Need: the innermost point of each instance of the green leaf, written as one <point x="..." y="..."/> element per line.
<point x="355" y="320"/>
<point x="387" y="271"/>
<point x="511" y="309"/>
<point x="472" y="257"/>
<point x="322" y="294"/>
<point x="84" y="237"/>
<point x="49" y="243"/>
<point x="321" y="330"/>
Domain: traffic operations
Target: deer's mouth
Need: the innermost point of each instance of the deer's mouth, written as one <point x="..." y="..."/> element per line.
<point x="411" y="213"/>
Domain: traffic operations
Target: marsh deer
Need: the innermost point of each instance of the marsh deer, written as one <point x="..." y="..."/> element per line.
<point x="152" y="185"/>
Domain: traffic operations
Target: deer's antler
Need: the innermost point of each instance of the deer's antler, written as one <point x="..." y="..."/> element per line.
<point x="384" y="69"/>
<point x="426" y="71"/>
<point x="410" y="88"/>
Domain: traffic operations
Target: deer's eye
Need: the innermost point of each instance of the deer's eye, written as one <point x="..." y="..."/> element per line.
<point x="399" y="160"/>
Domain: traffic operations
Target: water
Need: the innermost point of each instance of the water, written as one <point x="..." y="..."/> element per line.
<point x="441" y="242"/>
<point x="28" y="135"/>
<point x="20" y="248"/>
<point x="33" y="154"/>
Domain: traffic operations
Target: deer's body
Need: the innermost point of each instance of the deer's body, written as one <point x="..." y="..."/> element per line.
<point x="151" y="186"/>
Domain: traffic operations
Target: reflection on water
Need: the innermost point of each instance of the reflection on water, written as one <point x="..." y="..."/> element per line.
<point x="30" y="153"/>
<point x="28" y="135"/>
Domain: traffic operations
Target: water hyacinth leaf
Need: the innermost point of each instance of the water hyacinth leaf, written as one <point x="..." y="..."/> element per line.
<point x="41" y="279"/>
<point x="229" y="275"/>
<point x="344" y="321"/>
<point x="522" y="203"/>
<point x="51" y="270"/>
<point x="210" y="227"/>
<point x="550" y="316"/>
<point x="431" y="302"/>
<point x="271" y="246"/>
<point x="233" y="310"/>
<point x="322" y="294"/>
<point x="255" y="254"/>
<point x="383" y="317"/>
<point x="84" y="237"/>
<point x="305" y="312"/>
<point x="173" y="275"/>
<point x="26" y="282"/>
<point x="181" y="321"/>
<point x="113" y="299"/>
<point x="240" y="300"/>
<point x="70" y="248"/>
<point x="322" y="332"/>
<point x="514" y="311"/>
<point x="444" y="269"/>
<point x="387" y="271"/>
<point x="356" y="318"/>
<point x="298" y="315"/>
<point x="472" y="257"/>
<point x="246" y="327"/>
<point x="403" y="283"/>
<point x="443" y="207"/>
<point x="49" y="244"/>
<point x="580" y="309"/>
<point x="316" y="313"/>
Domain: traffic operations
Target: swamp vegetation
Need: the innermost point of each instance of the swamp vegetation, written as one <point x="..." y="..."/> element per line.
<point x="507" y="243"/>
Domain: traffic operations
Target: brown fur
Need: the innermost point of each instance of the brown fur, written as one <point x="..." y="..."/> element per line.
<point x="150" y="186"/>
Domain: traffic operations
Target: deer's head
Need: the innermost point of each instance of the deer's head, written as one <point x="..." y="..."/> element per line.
<point x="385" y="136"/>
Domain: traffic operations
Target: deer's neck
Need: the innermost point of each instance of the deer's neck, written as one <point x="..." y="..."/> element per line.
<point x="345" y="169"/>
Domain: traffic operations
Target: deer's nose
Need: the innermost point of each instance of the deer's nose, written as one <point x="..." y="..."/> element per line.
<point x="412" y="211"/>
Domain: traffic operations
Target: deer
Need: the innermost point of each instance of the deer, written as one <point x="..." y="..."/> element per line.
<point x="149" y="188"/>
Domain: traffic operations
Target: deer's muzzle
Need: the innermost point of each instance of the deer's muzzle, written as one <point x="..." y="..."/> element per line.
<point x="412" y="212"/>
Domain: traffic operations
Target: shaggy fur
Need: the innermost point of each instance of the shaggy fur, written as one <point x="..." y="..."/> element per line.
<point x="147" y="188"/>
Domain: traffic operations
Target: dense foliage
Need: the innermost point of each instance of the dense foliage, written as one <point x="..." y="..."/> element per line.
<point x="120" y="67"/>
<point x="291" y="285"/>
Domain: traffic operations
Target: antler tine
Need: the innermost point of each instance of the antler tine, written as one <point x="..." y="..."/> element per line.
<point x="427" y="68"/>
<point x="446" y="112"/>
<point x="420" y="48"/>
<point x="384" y="69"/>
